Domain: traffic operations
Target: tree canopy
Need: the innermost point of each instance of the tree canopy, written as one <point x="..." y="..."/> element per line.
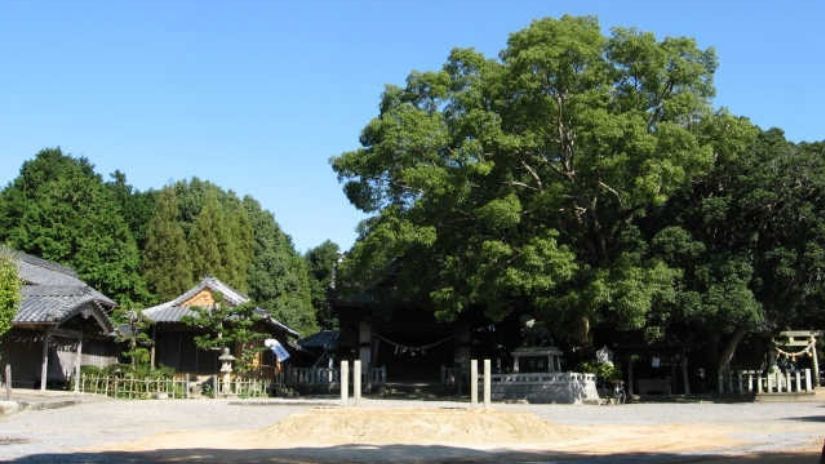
<point x="9" y="291"/>
<point x="584" y="179"/>
<point x="60" y="209"/>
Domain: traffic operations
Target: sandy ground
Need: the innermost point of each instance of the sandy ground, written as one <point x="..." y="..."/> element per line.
<point x="395" y="431"/>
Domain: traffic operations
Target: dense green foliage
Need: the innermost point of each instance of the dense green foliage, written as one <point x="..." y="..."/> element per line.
<point x="60" y="209"/>
<point x="9" y="291"/>
<point x="278" y="278"/>
<point x="225" y="326"/>
<point x="587" y="181"/>
<point x="322" y="261"/>
<point x="167" y="262"/>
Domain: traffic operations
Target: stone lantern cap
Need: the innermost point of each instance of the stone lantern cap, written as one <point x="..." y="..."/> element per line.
<point x="226" y="357"/>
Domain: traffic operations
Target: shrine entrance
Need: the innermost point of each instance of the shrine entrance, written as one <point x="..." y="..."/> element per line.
<point x="795" y="350"/>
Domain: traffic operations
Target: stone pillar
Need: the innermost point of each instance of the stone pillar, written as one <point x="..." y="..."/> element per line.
<point x="515" y="364"/>
<point x="356" y="381"/>
<point x="474" y="382"/>
<point x="44" y="366"/>
<point x="344" y="380"/>
<point x="487" y="383"/>
<point x="808" y="380"/>
<point x="77" y="362"/>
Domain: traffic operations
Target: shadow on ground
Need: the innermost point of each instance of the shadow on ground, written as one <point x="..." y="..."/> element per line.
<point x="397" y="454"/>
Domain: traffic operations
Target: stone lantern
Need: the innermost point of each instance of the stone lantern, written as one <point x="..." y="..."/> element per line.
<point x="226" y="360"/>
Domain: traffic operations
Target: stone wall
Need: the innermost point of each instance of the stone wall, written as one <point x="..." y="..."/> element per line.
<point x="561" y="387"/>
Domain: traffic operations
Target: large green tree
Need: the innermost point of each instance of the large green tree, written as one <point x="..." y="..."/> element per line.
<point x="322" y="261"/>
<point x="167" y="262"/>
<point x="278" y="277"/>
<point x="513" y="184"/>
<point x="59" y="208"/>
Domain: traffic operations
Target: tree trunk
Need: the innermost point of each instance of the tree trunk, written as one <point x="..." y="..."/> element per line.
<point x="730" y="349"/>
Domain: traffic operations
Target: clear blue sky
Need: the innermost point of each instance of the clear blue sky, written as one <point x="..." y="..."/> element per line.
<point x="257" y="96"/>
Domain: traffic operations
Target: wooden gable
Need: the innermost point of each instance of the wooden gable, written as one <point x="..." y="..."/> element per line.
<point x="202" y="299"/>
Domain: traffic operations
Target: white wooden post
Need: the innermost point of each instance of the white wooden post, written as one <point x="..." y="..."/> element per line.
<point x="788" y="381"/>
<point x="44" y="366"/>
<point x="750" y="382"/>
<point x="758" y="383"/>
<point x="344" y="382"/>
<point x="356" y="381"/>
<point x="798" y="382"/>
<point x="815" y="363"/>
<point x="808" y="380"/>
<point x="770" y="383"/>
<point x="7" y="378"/>
<point x="487" y="383"/>
<point x="515" y="364"/>
<point x="474" y="382"/>
<point x="77" y="361"/>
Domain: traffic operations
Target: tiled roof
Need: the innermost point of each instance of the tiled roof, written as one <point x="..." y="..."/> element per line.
<point x="325" y="339"/>
<point x="52" y="293"/>
<point x="173" y="311"/>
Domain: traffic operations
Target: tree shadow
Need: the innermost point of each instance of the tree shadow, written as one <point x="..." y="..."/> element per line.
<point x="397" y="454"/>
<point x="807" y="418"/>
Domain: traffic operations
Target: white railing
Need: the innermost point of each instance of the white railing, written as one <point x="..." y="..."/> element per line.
<point x="326" y="377"/>
<point x="756" y="382"/>
<point x="541" y="377"/>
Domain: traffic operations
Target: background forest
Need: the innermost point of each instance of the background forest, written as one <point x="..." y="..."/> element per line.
<point x="142" y="248"/>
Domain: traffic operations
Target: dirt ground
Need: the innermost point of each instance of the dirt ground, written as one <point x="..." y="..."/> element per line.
<point x="393" y="431"/>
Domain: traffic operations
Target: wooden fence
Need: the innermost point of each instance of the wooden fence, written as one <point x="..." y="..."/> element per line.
<point x="172" y="388"/>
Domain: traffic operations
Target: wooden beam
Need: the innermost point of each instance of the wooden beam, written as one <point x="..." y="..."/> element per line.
<point x="67" y="333"/>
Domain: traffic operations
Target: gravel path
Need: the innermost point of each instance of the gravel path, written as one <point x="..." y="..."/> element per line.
<point x="40" y="436"/>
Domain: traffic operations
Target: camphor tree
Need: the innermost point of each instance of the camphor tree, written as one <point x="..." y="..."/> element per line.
<point x="515" y="184"/>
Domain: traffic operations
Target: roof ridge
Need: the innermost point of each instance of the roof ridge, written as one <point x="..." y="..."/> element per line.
<point x="44" y="263"/>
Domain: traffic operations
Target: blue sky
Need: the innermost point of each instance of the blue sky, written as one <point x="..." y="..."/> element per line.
<point x="257" y="96"/>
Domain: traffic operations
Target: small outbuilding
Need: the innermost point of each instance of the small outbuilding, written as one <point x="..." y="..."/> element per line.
<point x="61" y="325"/>
<point x="174" y="340"/>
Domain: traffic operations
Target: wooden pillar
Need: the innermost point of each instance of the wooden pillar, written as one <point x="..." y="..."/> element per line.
<point x="44" y="364"/>
<point x="685" y="375"/>
<point x="365" y="344"/>
<point x="630" y="376"/>
<point x="77" y="362"/>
